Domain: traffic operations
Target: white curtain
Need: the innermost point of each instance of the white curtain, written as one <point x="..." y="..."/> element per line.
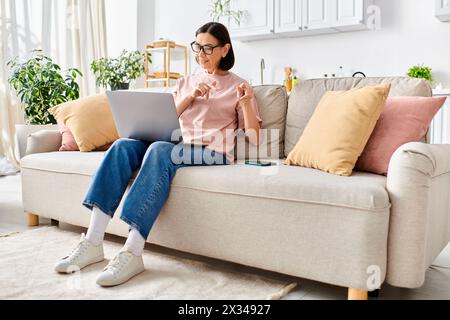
<point x="71" y="32"/>
<point x="18" y="36"/>
<point x="87" y="35"/>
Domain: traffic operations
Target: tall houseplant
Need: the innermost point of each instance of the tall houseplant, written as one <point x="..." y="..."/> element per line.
<point x="40" y="84"/>
<point x="118" y="73"/>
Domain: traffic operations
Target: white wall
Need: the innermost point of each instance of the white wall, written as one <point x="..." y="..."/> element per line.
<point x="145" y="23"/>
<point x="410" y="34"/>
<point x="121" y="24"/>
<point x="130" y="26"/>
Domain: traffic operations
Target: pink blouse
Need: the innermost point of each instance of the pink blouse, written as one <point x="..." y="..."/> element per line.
<point x="213" y="122"/>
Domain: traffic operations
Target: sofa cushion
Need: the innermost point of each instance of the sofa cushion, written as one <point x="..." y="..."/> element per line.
<point x="68" y="140"/>
<point x="363" y="191"/>
<point x="90" y="121"/>
<point x="272" y="103"/>
<point x="43" y="141"/>
<point x="404" y="120"/>
<point x="306" y="95"/>
<point x="76" y="162"/>
<point x="334" y="143"/>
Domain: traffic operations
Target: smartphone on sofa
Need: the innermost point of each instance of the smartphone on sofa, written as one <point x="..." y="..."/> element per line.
<point x="260" y="163"/>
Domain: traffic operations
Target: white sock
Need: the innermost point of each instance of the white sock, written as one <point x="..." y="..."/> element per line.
<point x="135" y="242"/>
<point x="97" y="226"/>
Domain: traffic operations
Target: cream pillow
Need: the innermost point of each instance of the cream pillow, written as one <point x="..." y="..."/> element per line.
<point x="339" y="129"/>
<point x="43" y="141"/>
<point x="90" y="120"/>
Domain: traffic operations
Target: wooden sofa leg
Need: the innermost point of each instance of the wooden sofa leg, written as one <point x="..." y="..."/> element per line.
<point x="356" y="294"/>
<point x="33" y="220"/>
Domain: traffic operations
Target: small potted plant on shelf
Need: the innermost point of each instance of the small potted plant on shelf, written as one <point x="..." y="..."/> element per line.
<point x="420" y="71"/>
<point x="40" y="84"/>
<point x="117" y="73"/>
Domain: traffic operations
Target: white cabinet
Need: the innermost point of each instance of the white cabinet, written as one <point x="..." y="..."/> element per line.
<point x="316" y="15"/>
<point x="257" y="21"/>
<point x="288" y="16"/>
<point x="268" y="19"/>
<point x="348" y="14"/>
<point x="302" y="17"/>
<point x="443" y="10"/>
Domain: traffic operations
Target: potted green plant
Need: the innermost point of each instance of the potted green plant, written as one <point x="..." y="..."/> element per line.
<point x="420" y="71"/>
<point x="222" y="9"/>
<point x="117" y="73"/>
<point x="40" y="84"/>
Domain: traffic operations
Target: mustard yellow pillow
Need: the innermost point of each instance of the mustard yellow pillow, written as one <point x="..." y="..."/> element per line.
<point x="89" y="119"/>
<point x="339" y="129"/>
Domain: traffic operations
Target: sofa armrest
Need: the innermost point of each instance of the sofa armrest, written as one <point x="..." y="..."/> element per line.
<point x="43" y="141"/>
<point x="418" y="184"/>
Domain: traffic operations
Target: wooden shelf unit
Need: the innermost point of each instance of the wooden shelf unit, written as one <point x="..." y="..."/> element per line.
<point x="167" y="74"/>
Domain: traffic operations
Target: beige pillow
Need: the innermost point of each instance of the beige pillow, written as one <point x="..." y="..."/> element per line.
<point x="90" y="120"/>
<point x="339" y="129"/>
<point x="272" y="103"/>
<point x="43" y="141"/>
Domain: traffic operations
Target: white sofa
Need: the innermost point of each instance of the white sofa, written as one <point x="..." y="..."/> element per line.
<point x="345" y="231"/>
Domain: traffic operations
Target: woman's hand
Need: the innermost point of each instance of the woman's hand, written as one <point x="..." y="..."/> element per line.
<point x="203" y="90"/>
<point x="245" y="93"/>
<point x="252" y="127"/>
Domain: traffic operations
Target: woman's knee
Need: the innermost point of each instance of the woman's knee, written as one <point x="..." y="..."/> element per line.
<point x="160" y="149"/>
<point x="129" y="148"/>
<point x="125" y="143"/>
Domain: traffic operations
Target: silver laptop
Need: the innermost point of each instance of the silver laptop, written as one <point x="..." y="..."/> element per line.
<point x="147" y="116"/>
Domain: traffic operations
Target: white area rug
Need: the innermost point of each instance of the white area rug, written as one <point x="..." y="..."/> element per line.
<point x="26" y="272"/>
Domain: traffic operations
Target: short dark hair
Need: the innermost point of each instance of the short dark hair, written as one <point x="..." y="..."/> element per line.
<point x="220" y="32"/>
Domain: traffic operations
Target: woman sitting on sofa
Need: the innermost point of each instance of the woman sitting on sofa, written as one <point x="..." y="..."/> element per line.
<point x="211" y="106"/>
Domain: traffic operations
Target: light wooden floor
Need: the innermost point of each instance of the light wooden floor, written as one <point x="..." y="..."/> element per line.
<point x="437" y="285"/>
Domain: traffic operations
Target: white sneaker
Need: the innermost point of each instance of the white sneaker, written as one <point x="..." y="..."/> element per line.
<point x="122" y="268"/>
<point x="83" y="255"/>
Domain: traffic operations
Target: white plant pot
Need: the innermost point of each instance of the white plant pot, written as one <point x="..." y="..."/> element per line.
<point x="23" y="130"/>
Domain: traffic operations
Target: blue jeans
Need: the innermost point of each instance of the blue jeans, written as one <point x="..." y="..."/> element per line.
<point x="158" y="162"/>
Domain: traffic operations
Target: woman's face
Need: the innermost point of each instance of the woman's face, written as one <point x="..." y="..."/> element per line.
<point x="210" y="62"/>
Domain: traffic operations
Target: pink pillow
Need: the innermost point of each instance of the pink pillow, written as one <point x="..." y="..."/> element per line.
<point x="68" y="141"/>
<point x="404" y="119"/>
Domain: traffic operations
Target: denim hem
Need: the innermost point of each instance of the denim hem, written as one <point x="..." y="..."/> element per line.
<point x="90" y="205"/>
<point x="135" y="226"/>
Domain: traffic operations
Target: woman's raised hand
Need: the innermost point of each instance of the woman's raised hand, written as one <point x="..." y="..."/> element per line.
<point x="245" y="93"/>
<point x="203" y="90"/>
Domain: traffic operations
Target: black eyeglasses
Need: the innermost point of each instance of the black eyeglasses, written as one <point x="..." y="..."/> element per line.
<point x="206" y="49"/>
